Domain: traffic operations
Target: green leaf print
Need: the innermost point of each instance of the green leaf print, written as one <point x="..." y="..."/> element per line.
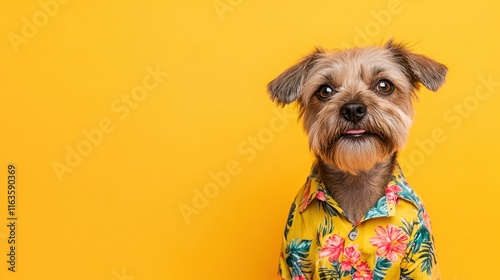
<point x="333" y="273"/>
<point x="327" y="207"/>
<point x="325" y="228"/>
<point x="405" y="274"/>
<point x="289" y="220"/>
<point x="420" y="237"/>
<point x="379" y="210"/>
<point x="381" y="267"/>
<point x="407" y="227"/>
<point x="298" y="252"/>
<point x="348" y="272"/>
<point x="407" y="193"/>
<point x="428" y="257"/>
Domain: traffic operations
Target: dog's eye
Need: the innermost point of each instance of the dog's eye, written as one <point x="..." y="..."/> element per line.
<point x="385" y="87"/>
<point x="325" y="92"/>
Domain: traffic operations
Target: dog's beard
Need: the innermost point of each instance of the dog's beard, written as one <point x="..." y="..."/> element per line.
<point x="360" y="153"/>
<point x="386" y="131"/>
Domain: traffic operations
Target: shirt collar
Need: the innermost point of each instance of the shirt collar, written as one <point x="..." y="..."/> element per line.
<point x="397" y="188"/>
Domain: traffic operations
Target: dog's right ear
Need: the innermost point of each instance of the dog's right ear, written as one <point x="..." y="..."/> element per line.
<point x="287" y="87"/>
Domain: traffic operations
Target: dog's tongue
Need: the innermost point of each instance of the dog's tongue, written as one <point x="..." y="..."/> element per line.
<point x="356" y="131"/>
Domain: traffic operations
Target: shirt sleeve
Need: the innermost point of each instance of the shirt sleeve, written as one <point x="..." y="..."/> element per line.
<point x="283" y="270"/>
<point x="420" y="258"/>
<point x="282" y="267"/>
<point x="297" y="245"/>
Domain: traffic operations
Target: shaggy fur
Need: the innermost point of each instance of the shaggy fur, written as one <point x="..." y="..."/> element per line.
<point x="357" y="167"/>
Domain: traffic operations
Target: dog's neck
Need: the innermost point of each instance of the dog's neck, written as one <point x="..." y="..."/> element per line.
<point x="356" y="194"/>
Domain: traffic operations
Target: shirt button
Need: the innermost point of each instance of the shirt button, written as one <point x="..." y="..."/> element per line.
<point x="353" y="234"/>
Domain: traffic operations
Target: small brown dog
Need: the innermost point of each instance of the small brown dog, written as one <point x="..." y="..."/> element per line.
<point x="356" y="106"/>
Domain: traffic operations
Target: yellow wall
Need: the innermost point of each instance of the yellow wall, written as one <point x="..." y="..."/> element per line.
<point x="119" y="115"/>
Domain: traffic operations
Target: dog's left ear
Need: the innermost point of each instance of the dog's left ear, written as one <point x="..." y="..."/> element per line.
<point x="421" y="69"/>
<point x="287" y="87"/>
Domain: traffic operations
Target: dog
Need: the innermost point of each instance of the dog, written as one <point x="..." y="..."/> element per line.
<point x="356" y="217"/>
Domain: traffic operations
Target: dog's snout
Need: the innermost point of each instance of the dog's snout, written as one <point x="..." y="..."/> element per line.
<point x="353" y="111"/>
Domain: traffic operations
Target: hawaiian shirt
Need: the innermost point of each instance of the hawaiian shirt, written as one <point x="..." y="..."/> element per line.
<point x="392" y="241"/>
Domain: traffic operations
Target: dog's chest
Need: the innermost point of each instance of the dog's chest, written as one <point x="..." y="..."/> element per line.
<point x="321" y="243"/>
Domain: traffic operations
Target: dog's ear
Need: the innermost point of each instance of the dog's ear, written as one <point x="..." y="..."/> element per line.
<point x="287" y="87"/>
<point x="420" y="68"/>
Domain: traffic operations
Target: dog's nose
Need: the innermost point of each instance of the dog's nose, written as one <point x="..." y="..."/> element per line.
<point x="353" y="111"/>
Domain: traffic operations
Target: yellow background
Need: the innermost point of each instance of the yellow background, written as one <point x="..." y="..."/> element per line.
<point x="117" y="214"/>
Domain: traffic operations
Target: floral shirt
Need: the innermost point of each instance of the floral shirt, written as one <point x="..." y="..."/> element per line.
<point x="392" y="241"/>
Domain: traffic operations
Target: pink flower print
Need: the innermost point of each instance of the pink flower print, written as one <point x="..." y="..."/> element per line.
<point x="427" y="220"/>
<point x="363" y="272"/>
<point x="321" y="196"/>
<point x="333" y="248"/>
<point x="391" y="242"/>
<point x="351" y="257"/>
<point x="391" y="194"/>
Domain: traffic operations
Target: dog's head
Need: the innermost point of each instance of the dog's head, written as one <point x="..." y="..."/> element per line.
<point x="356" y="104"/>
